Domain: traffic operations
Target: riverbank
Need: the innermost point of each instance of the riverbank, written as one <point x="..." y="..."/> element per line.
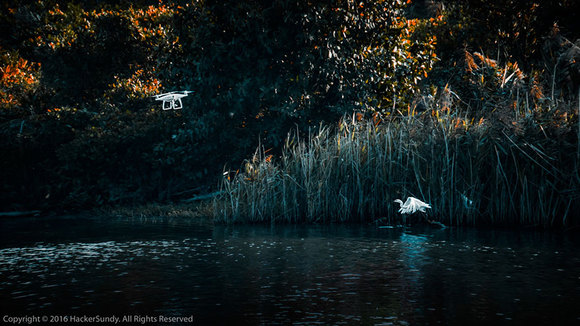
<point x="475" y="113"/>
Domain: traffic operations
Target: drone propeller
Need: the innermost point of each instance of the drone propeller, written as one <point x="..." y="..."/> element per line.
<point x="172" y="93"/>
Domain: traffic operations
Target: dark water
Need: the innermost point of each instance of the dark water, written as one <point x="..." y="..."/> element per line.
<point x="309" y="275"/>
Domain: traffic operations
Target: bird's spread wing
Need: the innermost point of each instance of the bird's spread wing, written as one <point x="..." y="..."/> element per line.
<point x="419" y="205"/>
<point x="413" y="204"/>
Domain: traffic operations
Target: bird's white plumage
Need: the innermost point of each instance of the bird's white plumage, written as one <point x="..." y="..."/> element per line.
<point x="412" y="205"/>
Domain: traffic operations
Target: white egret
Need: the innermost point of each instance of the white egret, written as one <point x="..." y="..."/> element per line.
<point x="412" y="205"/>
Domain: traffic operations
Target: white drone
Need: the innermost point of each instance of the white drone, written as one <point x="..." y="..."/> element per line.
<point x="172" y="100"/>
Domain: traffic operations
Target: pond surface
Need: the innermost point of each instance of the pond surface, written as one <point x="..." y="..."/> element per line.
<point x="362" y="275"/>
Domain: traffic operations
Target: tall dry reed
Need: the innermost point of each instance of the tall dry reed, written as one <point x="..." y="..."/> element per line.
<point x="470" y="172"/>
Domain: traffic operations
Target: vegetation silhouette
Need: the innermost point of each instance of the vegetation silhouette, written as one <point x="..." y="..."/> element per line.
<point x="486" y="90"/>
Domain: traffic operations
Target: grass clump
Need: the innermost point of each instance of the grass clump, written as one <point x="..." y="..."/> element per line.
<point x="471" y="171"/>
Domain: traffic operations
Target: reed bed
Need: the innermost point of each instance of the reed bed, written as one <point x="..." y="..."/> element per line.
<point x="471" y="172"/>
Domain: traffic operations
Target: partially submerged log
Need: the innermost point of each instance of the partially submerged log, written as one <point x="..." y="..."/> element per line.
<point x="19" y="213"/>
<point x="436" y="224"/>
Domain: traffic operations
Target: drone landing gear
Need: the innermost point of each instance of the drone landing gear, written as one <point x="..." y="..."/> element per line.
<point x="175" y="104"/>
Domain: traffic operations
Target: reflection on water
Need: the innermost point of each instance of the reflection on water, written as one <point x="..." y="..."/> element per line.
<point x="299" y="274"/>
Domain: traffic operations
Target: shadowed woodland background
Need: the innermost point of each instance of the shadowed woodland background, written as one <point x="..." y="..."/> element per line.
<point x="79" y="127"/>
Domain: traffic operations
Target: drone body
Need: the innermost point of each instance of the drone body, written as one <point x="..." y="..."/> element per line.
<point x="172" y="100"/>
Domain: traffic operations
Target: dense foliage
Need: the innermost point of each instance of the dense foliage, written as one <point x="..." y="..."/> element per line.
<point x="79" y="127"/>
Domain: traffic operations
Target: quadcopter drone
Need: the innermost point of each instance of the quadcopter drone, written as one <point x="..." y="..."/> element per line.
<point x="172" y="100"/>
